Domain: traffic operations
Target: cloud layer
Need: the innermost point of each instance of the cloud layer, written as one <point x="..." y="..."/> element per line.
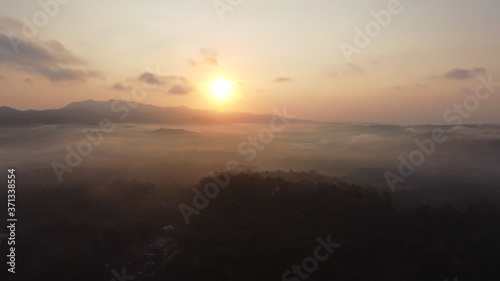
<point x="49" y="59"/>
<point x="170" y="84"/>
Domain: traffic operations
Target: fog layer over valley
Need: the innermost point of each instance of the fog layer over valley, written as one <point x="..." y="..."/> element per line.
<point x="464" y="159"/>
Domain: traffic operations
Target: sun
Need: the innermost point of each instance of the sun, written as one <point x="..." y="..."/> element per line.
<point x="221" y="89"/>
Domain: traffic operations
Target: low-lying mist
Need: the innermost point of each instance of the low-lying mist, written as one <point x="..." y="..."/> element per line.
<point x="465" y="163"/>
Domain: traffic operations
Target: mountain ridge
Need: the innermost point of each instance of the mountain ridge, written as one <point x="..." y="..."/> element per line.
<point x="120" y="111"/>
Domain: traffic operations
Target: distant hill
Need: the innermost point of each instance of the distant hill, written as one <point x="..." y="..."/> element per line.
<point x="91" y="111"/>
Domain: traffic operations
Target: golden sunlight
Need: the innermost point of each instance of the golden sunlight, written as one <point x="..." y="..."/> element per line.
<point x="221" y="89"/>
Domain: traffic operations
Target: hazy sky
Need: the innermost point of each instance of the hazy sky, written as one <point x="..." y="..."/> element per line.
<point x="275" y="53"/>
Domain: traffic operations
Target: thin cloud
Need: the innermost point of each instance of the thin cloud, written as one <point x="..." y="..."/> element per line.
<point x="175" y="85"/>
<point x="463" y="74"/>
<point x="282" y="79"/>
<point x="150" y="79"/>
<point x="56" y="74"/>
<point x="180" y="90"/>
<point x="208" y="56"/>
<point x="179" y="85"/>
<point x="120" y="87"/>
<point x="350" y="69"/>
<point x="417" y="85"/>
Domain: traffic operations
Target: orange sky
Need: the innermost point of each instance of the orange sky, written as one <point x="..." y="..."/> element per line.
<point x="421" y="58"/>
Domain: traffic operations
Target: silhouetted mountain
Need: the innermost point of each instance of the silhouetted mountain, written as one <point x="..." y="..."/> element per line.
<point x="10" y="116"/>
<point x="119" y="111"/>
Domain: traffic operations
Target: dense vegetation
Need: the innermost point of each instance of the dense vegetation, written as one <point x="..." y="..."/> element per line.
<point x="256" y="229"/>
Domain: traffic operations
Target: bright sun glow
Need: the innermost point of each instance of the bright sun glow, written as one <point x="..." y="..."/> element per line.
<point x="221" y="89"/>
